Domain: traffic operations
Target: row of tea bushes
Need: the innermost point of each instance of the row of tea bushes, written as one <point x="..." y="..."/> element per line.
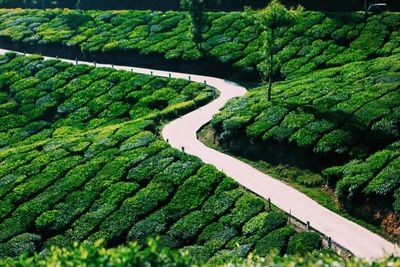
<point x="347" y="112"/>
<point x="317" y="40"/>
<point x="377" y="175"/>
<point x="350" y="110"/>
<point x="50" y="98"/>
<point x="104" y="194"/>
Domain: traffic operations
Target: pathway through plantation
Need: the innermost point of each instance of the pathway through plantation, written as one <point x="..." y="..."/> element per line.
<point x="182" y="133"/>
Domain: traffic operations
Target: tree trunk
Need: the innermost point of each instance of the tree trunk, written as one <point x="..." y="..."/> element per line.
<point x="271" y="63"/>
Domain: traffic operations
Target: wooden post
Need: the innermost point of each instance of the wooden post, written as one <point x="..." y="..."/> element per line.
<point x="76" y="61"/>
<point x="329" y="242"/>
<point x="94" y="63"/>
<point x="169" y="75"/>
<point x="183" y="149"/>
<point x="308" y="225"/>
<point x="205" y="82"/>
<point x="190" y="78"/>
<point x="151" y="72"/>
<point x="269" y="204"/>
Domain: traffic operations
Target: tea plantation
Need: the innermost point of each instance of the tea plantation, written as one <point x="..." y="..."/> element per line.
<point x="81" y="160"/>
<point x="316" y="40"/>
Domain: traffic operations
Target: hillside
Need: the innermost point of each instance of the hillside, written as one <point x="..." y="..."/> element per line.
<point x="232" y="43"/>
<point x="332" y="116"/>
<point x="81" y="160"/>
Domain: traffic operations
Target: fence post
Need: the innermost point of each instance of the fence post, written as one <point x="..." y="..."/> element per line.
<point x="190" y="78"/>
<point x="308" y="225"/>
<point x="76" y="61"/>
<point x="169" y="75"/>
<point x="269" y="204"/>
<point x="329" y="242"/>
<point x="183" y="149"/>
<point x="112" y="65"/>
<point x="94" y="63"/>
<point x="205" y="82"/>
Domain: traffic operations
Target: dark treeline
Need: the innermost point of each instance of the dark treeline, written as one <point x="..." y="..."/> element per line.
<point x="223" y="5"/>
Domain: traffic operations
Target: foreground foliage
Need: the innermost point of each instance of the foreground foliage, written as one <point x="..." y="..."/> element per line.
<point x="153" y="255"/>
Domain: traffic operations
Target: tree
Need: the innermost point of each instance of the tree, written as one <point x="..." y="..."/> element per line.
<point x="269" y="19"/>
<point x="196" y="10"/>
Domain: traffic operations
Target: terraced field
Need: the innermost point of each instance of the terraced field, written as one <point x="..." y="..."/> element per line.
<point x="75" y="166"/>
<point x="317" y="40"/>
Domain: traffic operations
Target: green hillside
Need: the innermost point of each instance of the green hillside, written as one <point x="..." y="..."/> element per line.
<point x="317" y="40"/>
<point x="81" y="160"/>
<point x="332" y="116"/>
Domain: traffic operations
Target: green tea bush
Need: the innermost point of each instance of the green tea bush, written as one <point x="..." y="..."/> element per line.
<point x="276" y="241"/>
<point x="302" y="243"/>
<point x="245" y="207"/>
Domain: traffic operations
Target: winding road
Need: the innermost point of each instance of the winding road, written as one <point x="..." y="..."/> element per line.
<point x="182" y="133"/>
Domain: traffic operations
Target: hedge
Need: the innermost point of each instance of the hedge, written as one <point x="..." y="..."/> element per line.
<point x="304" y="242"/>
<point x="274" y="241"/>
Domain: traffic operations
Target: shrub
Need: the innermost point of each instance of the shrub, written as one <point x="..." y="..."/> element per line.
<point x="264" y="223"/>
<point x="216" y="233"/>
<point x="24" y="244"/>
<point x="304" y="242"/>
<point x="152" y="225"/>
<point x="187" y="228"/>
<point x="245" y="207"/>
<point x="274" y="241"/>
<point x="337" y="140"/>
<point x="221" y="202"/>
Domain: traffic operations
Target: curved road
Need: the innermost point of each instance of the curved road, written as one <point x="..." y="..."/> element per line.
<point x="182" y="133"/>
